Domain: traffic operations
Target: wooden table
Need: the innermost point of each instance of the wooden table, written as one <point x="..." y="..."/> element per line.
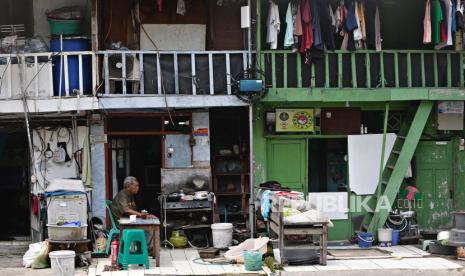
<point x="148" y="225"/>
<point x="281" y="229"/>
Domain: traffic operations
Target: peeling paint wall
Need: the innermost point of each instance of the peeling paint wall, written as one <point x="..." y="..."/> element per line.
<point x="98" y="173"/>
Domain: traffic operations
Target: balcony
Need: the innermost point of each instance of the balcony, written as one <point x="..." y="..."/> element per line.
<point x="365" y="75"/>
<point x="127" y="79"/>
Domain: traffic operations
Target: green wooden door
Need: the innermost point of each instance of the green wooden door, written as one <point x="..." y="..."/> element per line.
<point x="287" y="162"/>
<point x="434" y="181"/>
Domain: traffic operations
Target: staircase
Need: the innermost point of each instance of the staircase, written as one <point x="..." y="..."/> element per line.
<point x="397" y="164"/>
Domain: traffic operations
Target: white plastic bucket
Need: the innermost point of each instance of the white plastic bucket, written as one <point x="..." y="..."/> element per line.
<point x="384" y="235"/>
<point x="222" y="235"/>
<point x="62" y="262"/>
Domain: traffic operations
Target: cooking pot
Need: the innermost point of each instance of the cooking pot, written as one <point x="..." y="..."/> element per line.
<point x="173" y="197"/>
<point x="201" y="195"/>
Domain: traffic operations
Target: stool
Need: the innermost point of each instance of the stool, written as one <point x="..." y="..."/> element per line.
<point x="133" y="248"/>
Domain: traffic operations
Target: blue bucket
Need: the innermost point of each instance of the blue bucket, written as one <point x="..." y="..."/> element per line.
<point x="71" y="45"/>
<point x="365" y="239"/>
<point x="395" y="237"/>
<point x="252" y="260"/>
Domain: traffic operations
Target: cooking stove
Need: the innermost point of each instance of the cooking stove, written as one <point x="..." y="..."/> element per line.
<point x="189" y="204"/>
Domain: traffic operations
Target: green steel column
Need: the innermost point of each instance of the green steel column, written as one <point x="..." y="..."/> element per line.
<point x="381" y="61"/>
<point x="435" y="69"/>
<point x="423" y="80"/>
<point x="339" y="70"/>
<point x="368" y="69"/>
<point x="396" y="69"/>
<point x="383" y="147"/>
<point x="327" y="70"/>
<point x="461" y="70"/>
<point x="409" y="70"/>
<point x="273" y="69"/>
<point x="285" y="70"/>
<point x="449" y="71"/>
<point x="353" y="70"/>
<point x="313" y="78"/>
<point x="299" y="71"/>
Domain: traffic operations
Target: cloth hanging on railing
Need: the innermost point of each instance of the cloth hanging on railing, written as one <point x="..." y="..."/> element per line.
<point x="307" y="28"/>
<point x="273" y="25"/>
<point x="291" y="15"/>
<point x="427" y="23"/>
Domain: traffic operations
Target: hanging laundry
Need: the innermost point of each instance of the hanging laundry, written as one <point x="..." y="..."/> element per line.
<point x="327" y="24"/>
<point x="160" y="5"/>
<point x="351" y="25"/>
<point x="290" y="22"/>
<point x="357" y="31"/>
<point x="378" y="38"/>
<point x="351" y="21"/>
<point x="459" y="16"/>
<point x="436" y="19"/>
<point x="453" y="21"/>
<point x="181" y="7"/>
<point x="449" y="22"/>
<point x="307" y="29"/>
<point x="361" y="18"/>
<point x="274" y="24"/>
<point x="427" y="23"/>
<point x="317" y="38"/>
<point x="298" y="23"/>
<point x="370" y="11"/>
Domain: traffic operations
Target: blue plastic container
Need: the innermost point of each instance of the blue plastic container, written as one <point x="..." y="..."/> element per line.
<point x="71" y="45"/>
<point x="252" y="260"/>
<point x="395" y="237"/>
<point x="365" y="239"/>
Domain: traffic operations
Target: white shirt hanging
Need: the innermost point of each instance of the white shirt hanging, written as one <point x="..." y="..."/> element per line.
<point x="274" y="24"/>
<point x="181" y="7"/>
<point x="289" y="37"/>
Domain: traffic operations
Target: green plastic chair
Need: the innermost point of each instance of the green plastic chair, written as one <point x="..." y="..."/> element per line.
<point x="133" y="249"/>
<point x="114" y="231"/>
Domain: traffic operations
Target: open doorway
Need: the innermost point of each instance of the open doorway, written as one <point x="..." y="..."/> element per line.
<point x="327" y="165"/>
<point x="139" y="156"/>
<point x="14" y="188"/>
<point x="140" y="145"/>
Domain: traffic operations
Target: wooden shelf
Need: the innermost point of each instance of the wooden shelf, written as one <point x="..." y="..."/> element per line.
<point x="229" y="194"/>
<point x="228" y="174"/>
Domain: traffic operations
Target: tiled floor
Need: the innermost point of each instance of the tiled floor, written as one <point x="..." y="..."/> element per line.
<point x="187" y="262"/>
<point x="172" y="262"/>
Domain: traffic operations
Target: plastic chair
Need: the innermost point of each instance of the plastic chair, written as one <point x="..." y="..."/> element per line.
<point x="114" y="231"/>
<point x="133" y="248"/>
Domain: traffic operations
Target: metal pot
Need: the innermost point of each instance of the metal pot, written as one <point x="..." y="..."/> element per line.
<point x="201" y="195"/>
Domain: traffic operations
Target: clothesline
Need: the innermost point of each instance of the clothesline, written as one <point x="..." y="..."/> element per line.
<point x="312" y="25"/>
<point x="443" y="23"/>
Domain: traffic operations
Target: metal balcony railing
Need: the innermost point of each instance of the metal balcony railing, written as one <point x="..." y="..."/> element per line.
<point x="365" y="69"/>
<point x="37" y="75"/>
<point x="171" y="72"/>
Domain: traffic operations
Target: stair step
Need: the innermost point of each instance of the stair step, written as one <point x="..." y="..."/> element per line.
<point x="396" y="152"/>
<point x="390" y="167"/>
<point x="384" y="182"/>
<point x="401" y="137"/>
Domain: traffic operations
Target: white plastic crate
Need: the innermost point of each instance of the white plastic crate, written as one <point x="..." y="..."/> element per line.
<point x="67" y="208"/>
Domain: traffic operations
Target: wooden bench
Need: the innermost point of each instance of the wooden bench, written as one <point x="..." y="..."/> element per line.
<point x="281" y="229"/>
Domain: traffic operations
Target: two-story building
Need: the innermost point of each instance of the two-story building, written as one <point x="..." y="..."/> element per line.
<point x="351" y="83"/>
<point x="142" y="87"/>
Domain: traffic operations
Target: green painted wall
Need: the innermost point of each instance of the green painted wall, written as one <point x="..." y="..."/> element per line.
<point x="343" y="229"/>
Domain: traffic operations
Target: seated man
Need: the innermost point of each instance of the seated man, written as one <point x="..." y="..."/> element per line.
<point x="123" y="204"/>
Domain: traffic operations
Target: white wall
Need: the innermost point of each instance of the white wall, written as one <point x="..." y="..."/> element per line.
<point x="48" y="170"/>
<point x="200" y="123"/>
<point x="40" y="21"/>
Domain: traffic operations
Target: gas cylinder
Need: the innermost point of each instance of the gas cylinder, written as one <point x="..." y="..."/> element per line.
<point x="114" y="252"/>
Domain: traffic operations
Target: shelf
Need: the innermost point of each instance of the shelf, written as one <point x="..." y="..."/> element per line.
<point x="229" y="194"/>
<point x="228" y="174"/>
<point x="189" y="210"/>
<point x="234" y="213"/>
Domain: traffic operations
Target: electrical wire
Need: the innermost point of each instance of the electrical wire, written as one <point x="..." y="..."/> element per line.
<point x="137" y="19"/>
